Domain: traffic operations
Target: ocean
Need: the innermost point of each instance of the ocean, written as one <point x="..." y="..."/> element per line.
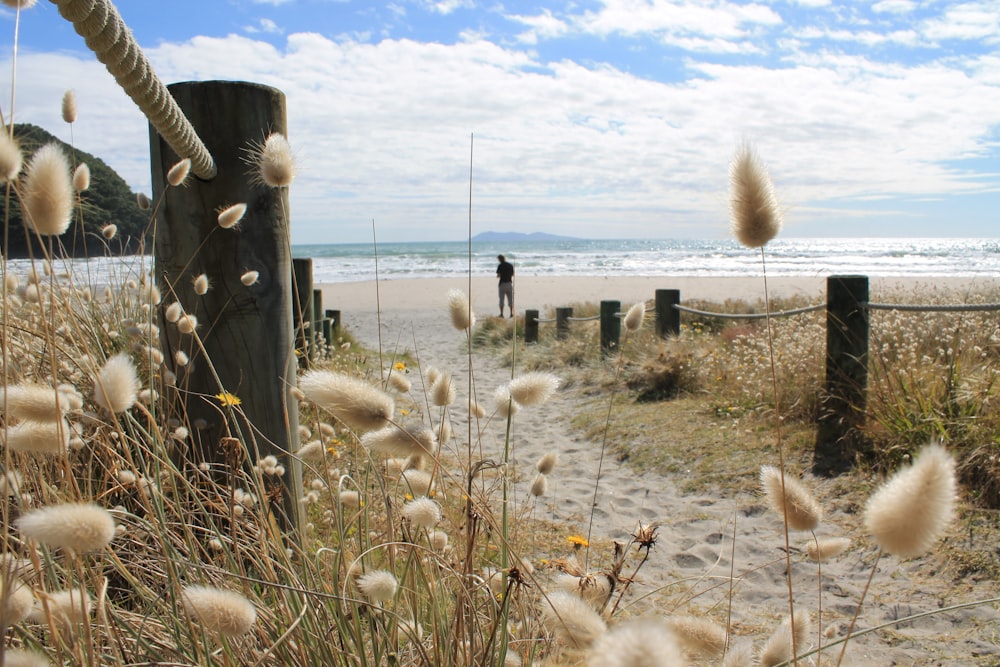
<point x="902" y="257"/>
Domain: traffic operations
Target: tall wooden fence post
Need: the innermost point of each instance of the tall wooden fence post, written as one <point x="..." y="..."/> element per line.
<point x="531" y="326"/>
<point x="668" y="318"/>
<point x="842" y="408"/>
<point x="246" y="332"/>
<point x="302" y="286"/>
<point x="611" y="326"/>
<point x="562" y="322"/>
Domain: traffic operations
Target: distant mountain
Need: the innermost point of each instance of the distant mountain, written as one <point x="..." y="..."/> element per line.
<point x="508" y="237"/>
<point x="108" y="200"/>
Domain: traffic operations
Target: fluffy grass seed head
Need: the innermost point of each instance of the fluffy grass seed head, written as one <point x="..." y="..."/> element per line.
<point x="20" y="657"/>
<point x="82" y="527"/>
<point x="201" y="284"/>
<point x="187" y="324"/>
<point x="231" y="216"/>
<point x="354" y="402"/>
<point x="572" y="620"/>
<point x="505" y="404"/>
<point x="462" y="317"/>
<point x="70" y="607"/>
<point x="34" y="402"/>
<point x="399" y="382"/>
<point x="81" y="177"/>
<point x="476" y="410"/>
<point x="250" y="278"/>
<point x="179" y="172"/>
<point x="17" y="601"/>
<point x="69" y="106"/>
<point x="48" y="437"/>
<point x="698" y="636"/>
<point x="47" y="194"/>
<point x="778" y="648"/>
<point x="443" y="391"/>
<point x="438" y="540"/>
<point x="173" y="312"/>
<point x="533" y="388"/>
<point x="539" y="485"/>
<point x="827" y="548"/>
<point x="636" y="642"/>
<point x="396" y="441"/>
<point x="274" y="162"/>
<point x="417" y="482"/>
<point x="109" y="231"/>
<point x="422" y="512"/>
<point x="378" y="586"/>
<point x="911" y="511"/>
<point x="547" y="463"/>
<point x="11" y="159"/>
<point x="754" y="211"/>
<point x="116" y="387"/>
<point x="633" y="318"/>
<point x="796" y="503"/>
<point x="218" y="611"/>
<point x="142" y="201"/>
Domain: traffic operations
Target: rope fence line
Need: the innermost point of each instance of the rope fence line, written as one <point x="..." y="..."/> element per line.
<point x="750" y="316"/>
<point x="106" y="34"/>
<point x="933" y="308"/>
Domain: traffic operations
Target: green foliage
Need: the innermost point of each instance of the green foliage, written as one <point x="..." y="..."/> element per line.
<point x="108" y="201"/>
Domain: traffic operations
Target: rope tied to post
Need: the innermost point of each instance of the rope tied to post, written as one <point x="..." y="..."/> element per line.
<point x="106" y="34"/>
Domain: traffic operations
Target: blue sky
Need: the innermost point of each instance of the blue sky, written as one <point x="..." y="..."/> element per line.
<point x="603" y="119"/>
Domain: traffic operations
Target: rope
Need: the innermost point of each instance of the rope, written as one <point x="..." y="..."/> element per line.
<point x="935" y="308"/>
<point x="583" y="319"/>
<point x="749" y="316"/>
<point x="101" y="26"/>
<point x="542" y="320"/>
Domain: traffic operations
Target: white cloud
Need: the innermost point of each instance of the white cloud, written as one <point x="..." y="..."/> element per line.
<point x="382" y="130"/>
<point x="676" y="17"/>
<point x="542" y="26"/>
<point x="894" y="6"/>
<point x="265" y="26"/>
<point x="276" y="3"/>
<point x="966" y="21"/>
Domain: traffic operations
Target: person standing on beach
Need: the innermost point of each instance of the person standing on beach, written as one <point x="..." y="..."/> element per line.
<point x="505" y="272"/>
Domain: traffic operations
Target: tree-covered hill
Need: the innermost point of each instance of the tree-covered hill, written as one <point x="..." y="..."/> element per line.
<point x="108" y="200"/>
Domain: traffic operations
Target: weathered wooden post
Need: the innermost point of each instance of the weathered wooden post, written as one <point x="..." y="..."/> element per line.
<point x="842" y="408"/>
<point x="333" y="319"/>
<point x="302" y="285"/>
<point x="668" y="318"/>
<point x="611" y="326"/>
<point x="246" y="345"/>
<point x="562" y="322"/>
<point x="316" y="325"/>
<point x="531" y="326"/>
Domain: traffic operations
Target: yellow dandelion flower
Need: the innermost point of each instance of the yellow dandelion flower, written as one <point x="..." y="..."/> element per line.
<point x="404" y="412"/>
<point x="399" y="366"/>
<point x="228" y="400"/>
<point x="578" y="541"/>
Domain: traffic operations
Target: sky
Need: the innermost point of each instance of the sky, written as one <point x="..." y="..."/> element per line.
<point x="595" y="119"/>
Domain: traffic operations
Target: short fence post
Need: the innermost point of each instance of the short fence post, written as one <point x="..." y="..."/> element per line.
<point x="668" y="318"/>
<point x="531" y="326"/>
<point x="562" y="322"/>
<point x="333" y="319"/>
<point x="247" y="344"/>
<point x="842" y="408"/>
<point x="611" y="326"/>
<point x="302" y="283"/>
<point x="316" y="328"/>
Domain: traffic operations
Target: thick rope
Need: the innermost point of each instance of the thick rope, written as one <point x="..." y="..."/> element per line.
<point x="749" y="316"/>
<point x="100" y="24"/>
<point x="934" y="308"/>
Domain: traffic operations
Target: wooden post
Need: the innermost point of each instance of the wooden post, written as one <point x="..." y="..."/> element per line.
<point x="562" y="322"/>
<point x="302" y="284"/>
<point x="611" y="326"/>
<point x="246" y="332"/>
<point x="316" y="328"/>
<point x="333" y="317"/>
<point x="842" y="408"/>
<point x="531" y="326"/>
<point x="668" y="318"/>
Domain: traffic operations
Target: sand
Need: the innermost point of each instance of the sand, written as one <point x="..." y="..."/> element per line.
<point x="695" y="547"/>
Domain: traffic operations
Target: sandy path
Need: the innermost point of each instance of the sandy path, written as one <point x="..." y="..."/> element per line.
<point x="695" y="538"/>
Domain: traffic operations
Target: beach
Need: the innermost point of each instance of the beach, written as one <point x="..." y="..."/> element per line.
<point x="544" y="292"/>
<point x="694" y="545"/>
